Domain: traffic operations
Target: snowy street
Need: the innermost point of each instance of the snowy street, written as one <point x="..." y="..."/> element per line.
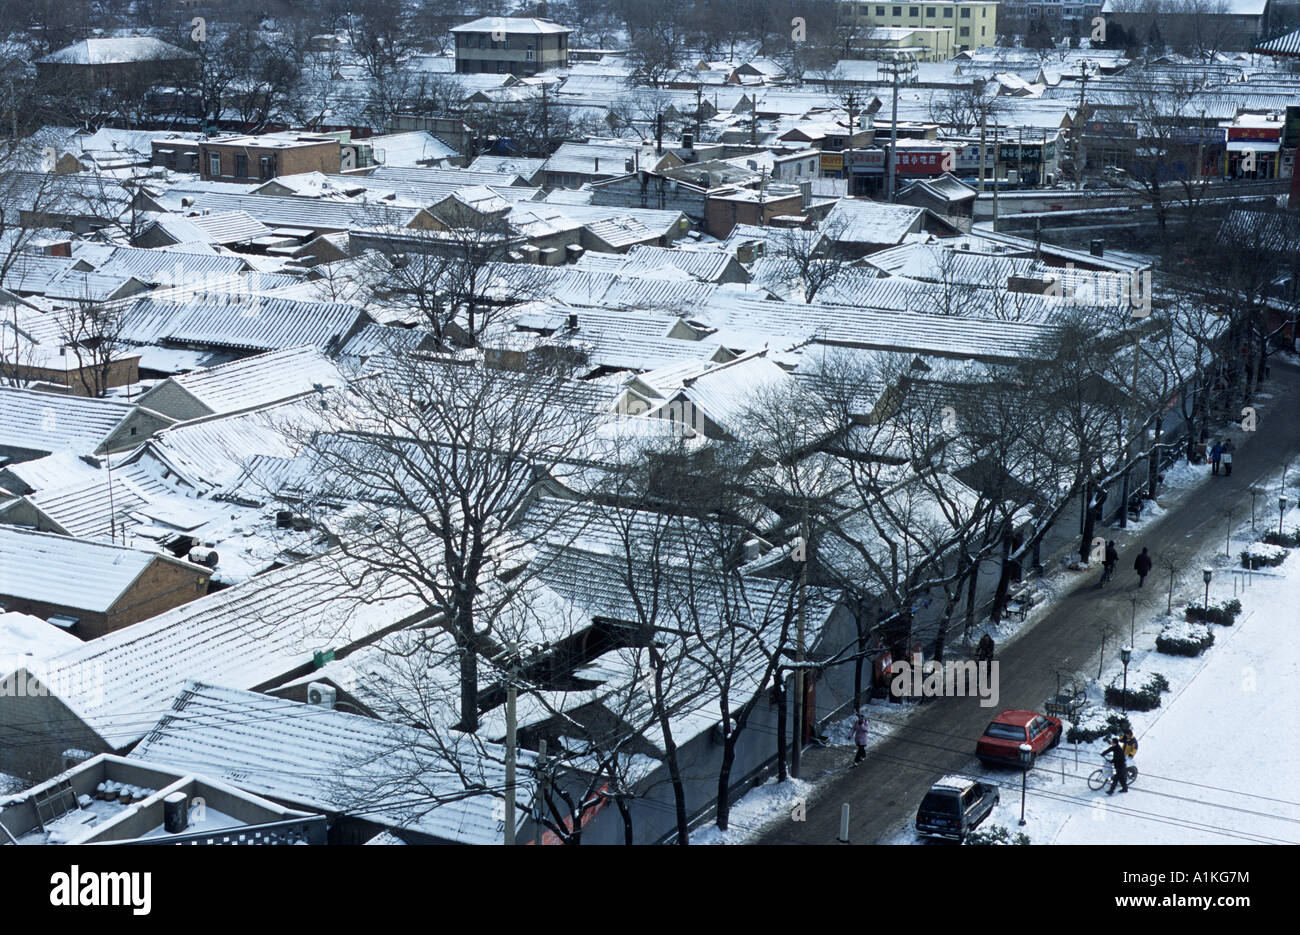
<point x="1221" y="748"/>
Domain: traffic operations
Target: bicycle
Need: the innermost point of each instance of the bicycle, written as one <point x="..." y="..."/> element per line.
<point x="1104" y="774"/>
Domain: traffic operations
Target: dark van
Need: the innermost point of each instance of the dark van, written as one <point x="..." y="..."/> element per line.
<point x="954" y="807"/>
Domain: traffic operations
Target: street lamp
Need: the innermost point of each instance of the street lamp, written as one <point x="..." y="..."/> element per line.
<point x="1207" y="574"/>
<point x="1125" y="654"/>
<point x="1281" y="509"/>
<point x="1026" y="757"/>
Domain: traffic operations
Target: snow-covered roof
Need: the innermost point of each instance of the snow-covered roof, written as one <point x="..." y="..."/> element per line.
<point x="255" y="381"/>
<point x="54" y="422"/>
<point x="116" y="51"/>
<point x="409" y="149"/>
<point x="23" y="635"/>
<point x="871" y="222"/>
<point x="338" y="762"/>
<point x="259" y="323"/>
<point x="512" y="25"/>
<point x="244" y="636"/>
<point x="54" y="569"/>
<point x="223" y="227"/>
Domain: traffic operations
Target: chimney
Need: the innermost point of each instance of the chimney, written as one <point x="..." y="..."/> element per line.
<point x="1097" y="248"/>
<point x="176" y="812"/>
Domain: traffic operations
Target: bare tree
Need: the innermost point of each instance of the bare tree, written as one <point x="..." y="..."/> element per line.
<point x="92" y="331"/>
<point x="435" y="458"/>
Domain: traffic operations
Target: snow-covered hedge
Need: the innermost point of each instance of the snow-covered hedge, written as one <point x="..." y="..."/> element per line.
<point x="996" y="834"/>
<point x="1263" y="555"/>
<point x="1224" y="612"/>
<point x="1180" y="638"/>
<point x="1095" y="723"/>
<point x="1144" y="698"/>
<point x="1289" y="539"/>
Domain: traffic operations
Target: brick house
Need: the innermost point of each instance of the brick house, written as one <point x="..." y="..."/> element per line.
<point x="258" y="158"/>
<point x="91" y="588"/>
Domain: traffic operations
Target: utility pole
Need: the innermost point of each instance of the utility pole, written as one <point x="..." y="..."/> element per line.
<point x="797" y="747"/>
<point x="893" y="129"/>
<point x="546" y="117"/>
<point x="996" y="186"/>
<point x="984" y="126"/>
<point x="1078" y="137"/>
<point x="510" y="743"/>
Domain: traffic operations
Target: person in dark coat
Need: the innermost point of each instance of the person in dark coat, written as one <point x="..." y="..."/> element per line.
<point x="1216" y="453"/>
<point x="1109" y="562"/>
<point x="1225" y="455"/>
<point x="1115" y="753"/>
<point x="1142" y="565"/>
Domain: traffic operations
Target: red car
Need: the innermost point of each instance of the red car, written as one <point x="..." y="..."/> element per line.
<point x="1000" y="745"/>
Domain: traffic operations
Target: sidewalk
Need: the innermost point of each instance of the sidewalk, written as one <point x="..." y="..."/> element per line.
<point x="939" y="736"/>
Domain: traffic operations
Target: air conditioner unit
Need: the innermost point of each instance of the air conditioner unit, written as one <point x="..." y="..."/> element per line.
<point x="321" y="694"/>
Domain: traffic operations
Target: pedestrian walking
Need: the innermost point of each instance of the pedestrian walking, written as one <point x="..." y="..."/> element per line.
<point x="860" y="738"/>
<point x="1216" y="453"/>
<point x="1120" y="762"/>
<point x="1109" y="562"/>
<point x="1142" y="565"/>
<point x="1226" y="456"/>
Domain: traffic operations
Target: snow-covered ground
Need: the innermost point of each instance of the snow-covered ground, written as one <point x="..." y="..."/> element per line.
<point x="766" y="803"/>
<point x="1218" y="758"/>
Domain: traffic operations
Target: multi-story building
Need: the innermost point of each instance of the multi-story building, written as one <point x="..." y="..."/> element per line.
<point x="510" y="45"/>
<point x="259" y="158"/>
<point x="1062" y="18"/>
<point x="974" y="22"/>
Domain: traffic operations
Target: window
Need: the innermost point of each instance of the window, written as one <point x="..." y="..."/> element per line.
<point x="528" y="54"/>
<point x="501" y="67"/>
<point x="264" y="167"/>
<point x="929" y="12"/>
<point x="241" y="166"/>
<point x="965" y="14"/>
<point x="965" y="30"/>
<point x="1005" y="732"/>
<point x="914" y="12"/>
<point x="880" y="11"/>
<point x="947" y="12"/>
<point x="981" y="30"/>
<point x="214" y="163"/>
<point x="482" y="41"/>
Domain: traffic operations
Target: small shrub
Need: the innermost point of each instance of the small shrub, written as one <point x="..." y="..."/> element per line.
<point x="1184" y="639"/>
<point x="996" y="834"/>
<point x="1289" y="539"/>
<point x="1095" y="724"/>
<point x="1263" y="555"/>
<point x="1146" y="697"/>
<point x="1222" y="613"/>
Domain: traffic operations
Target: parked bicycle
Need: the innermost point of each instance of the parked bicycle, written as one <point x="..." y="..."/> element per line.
<point x="1105" y="773"/>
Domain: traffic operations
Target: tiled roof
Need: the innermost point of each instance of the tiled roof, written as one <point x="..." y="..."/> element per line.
<point x="55" y="422"/>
